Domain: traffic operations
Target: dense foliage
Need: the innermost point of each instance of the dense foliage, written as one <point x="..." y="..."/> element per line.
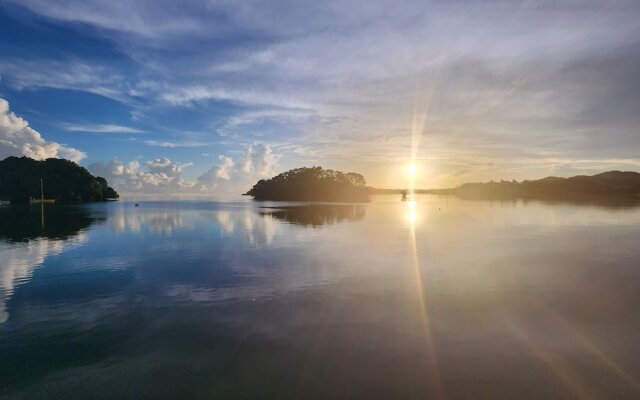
<point x="312" y="184"/>
<point x="64" y="181"/>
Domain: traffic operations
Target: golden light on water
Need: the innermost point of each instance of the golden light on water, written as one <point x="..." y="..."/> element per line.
<point x="411" y="213"/>
<point x="434" y="377"/>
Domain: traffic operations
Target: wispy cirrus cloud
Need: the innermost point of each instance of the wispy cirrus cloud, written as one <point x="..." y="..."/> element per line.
<point x="66" y="73"/>
<point x="174" y="144"/>
<point x="100" y="128"/>
<point x="338" y="83"/>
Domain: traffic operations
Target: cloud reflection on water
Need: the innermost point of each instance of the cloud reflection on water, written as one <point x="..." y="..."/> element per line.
<point x="28" y="235"/>
<point x="228" y="286"/>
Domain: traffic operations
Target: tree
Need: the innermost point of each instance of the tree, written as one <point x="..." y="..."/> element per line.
<point x="64" y="181"/>
<point x="312" y="184"/>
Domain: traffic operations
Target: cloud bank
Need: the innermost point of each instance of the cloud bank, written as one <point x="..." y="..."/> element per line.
<point x="164" y="177"/>
<point x="18" y="139"/>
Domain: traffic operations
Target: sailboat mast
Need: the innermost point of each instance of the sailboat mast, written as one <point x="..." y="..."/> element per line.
<point x="41" y="190"/>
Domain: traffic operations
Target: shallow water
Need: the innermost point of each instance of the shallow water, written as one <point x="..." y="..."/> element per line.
<point x="437" y="298"/>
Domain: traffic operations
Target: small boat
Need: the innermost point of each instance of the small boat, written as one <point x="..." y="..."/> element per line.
<point x="404" y="195"/>
<point x="42" y="200"/>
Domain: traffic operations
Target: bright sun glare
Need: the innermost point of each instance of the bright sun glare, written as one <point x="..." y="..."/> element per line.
<point x="412" y="170"/>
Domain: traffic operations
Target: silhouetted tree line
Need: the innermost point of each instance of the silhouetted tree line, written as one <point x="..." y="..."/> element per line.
<point x="610" y="183"/>
<point x="312" y="184"/>
<point x="64" y="181"/>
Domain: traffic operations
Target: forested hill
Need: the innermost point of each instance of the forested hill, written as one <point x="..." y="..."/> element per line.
<point x="611" y="183"/>
<point x="64" y="181"/>
<point x="312" y="184"/>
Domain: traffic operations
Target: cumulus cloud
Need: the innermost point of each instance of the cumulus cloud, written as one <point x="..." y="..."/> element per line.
<point x="217" y="172"/>
<point x="257" y="161"/>
<point x="228" y="178"/>
<point x="17" y="138"/>
<point x="161" y="175"/>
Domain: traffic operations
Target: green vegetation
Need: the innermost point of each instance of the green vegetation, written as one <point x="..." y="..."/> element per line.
<point x="312" y="184"/>
<point x="64" y="181"/>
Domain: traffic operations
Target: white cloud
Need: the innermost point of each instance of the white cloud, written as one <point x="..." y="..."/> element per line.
<point x="257" y="161"/>
<point x="146" y="19"/>
<point x="162" y="176"/>
<point x="345" y="78"/>
<point x="100" y="128"/>
<point x="18" y="139"/>
<point x="191" y="94"/>
<point x="65" y="74"/>
<point x="217" y="172"/>
<point x="174" y="144"/>
<point x="160" y="143"/>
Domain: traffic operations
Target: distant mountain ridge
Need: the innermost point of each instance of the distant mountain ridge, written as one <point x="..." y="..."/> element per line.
<point x="610" y="183"/>
<point x="64" y="181"/>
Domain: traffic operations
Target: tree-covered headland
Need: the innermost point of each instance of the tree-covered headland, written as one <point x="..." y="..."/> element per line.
<point x="611" y="183"/>
<point x="312" y="184"/>
<point x="64" y="181"/>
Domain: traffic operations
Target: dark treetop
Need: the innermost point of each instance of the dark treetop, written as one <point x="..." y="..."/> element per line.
<point x="312" y="184"/>
<point x="64" y="181"/>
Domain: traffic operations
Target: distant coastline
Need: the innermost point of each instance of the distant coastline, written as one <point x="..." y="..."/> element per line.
<point x="611" y="184"/>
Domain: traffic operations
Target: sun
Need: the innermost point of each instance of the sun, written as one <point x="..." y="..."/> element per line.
<point x="412" y="170"/>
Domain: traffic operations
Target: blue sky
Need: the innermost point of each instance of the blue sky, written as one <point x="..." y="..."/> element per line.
<point x="205" y="97"/>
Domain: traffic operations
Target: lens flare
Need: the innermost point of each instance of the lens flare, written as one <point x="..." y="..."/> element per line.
<point x="433" y="377"/>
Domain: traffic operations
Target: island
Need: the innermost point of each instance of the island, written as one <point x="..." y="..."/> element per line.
<point x="23" y="179"/>
<point x="312" y="184"/>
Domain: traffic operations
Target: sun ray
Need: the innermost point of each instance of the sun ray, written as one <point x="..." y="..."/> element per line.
<point x="567" y="377"/>
<point x="435" y="378"/>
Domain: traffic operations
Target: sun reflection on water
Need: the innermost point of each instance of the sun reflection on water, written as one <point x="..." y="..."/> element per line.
<point x="411" y="213"/>
<point x="434" y="378"/>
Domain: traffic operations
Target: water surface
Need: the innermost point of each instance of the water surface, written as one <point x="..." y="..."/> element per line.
<point x="437" y="298"/>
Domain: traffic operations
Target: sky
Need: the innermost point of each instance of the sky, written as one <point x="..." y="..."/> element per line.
<point x="202" y="98"/>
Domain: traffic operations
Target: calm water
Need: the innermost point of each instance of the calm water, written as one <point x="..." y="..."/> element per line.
<point x="439" y="298"/>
